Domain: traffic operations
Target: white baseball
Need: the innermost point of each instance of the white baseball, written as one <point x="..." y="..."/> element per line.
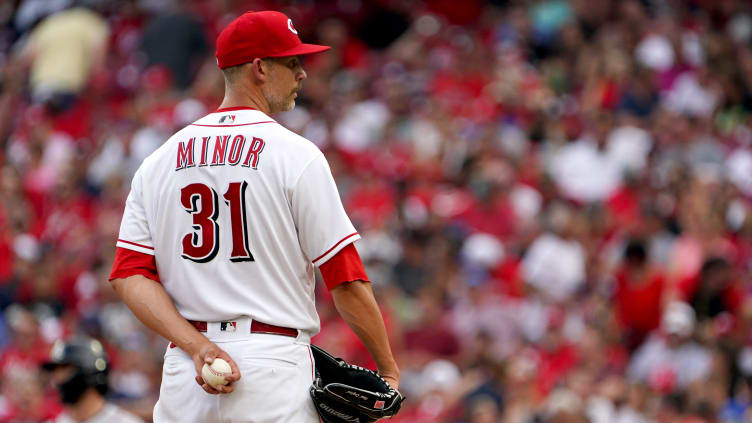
<point x="214" y="375"/>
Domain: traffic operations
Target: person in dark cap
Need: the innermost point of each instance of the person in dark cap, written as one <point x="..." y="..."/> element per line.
<point x="79" y="371"/>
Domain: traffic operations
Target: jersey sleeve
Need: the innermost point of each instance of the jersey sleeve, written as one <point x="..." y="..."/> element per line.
<point x="134" y="228"/>
<point x="128" y="263"/>
<point x="345" y="266"/>
<point x="323" y="226"/>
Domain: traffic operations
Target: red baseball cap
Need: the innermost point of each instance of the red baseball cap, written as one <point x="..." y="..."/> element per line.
<point x="259" y="35"/>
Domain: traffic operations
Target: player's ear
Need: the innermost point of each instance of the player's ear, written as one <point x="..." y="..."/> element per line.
<point x="259" y="69"/>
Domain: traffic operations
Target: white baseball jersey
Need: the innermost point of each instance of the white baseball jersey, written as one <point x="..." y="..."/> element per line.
<point x="237" y="210"/>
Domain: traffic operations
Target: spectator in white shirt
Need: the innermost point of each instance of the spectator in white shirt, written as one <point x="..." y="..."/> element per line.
<point x="670" y="359"/>
<point x="555" y="262"/>
<point x="584" y="170"/>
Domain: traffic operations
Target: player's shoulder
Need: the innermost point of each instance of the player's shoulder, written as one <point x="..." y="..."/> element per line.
<point x="156" y="158"/>
<point x="302" y="145"/>
<point x="231" y="122"/>
<point x="258" y="124"/>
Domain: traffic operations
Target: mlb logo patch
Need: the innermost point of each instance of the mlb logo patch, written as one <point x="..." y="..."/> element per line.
<point x="227" y="119"/>
<point x="378" y="404"/>
<point x="228" y="326"/>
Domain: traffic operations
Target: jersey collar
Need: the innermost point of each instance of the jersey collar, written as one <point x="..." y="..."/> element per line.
<point x="229" y="109"/>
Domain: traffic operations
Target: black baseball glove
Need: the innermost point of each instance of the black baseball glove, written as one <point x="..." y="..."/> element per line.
<point x="344" y="392"/>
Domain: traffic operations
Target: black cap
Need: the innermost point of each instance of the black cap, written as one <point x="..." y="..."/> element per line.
<point x="82" y="352"/>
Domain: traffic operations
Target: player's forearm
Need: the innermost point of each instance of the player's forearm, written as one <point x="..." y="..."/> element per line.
<point x="357" y="306"/>
<point x="150" y="303"/>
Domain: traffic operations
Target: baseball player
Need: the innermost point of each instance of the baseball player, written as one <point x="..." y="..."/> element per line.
<point x="220" y="235"/>
<point x="79" y="370"/>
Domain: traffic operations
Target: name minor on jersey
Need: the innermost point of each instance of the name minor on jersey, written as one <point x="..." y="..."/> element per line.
<point x="219" y="150"/>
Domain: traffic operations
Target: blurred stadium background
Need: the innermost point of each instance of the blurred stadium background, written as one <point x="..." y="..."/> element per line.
<point x="555" y="196"/>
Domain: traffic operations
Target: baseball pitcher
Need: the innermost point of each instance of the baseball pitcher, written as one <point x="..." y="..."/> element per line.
<point x="221" y="231"/>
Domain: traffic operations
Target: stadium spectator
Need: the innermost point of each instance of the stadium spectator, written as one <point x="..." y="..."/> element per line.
<point x="639" y="293"/>
<point x="62" y="52"/>
<point x="671" y="360"/>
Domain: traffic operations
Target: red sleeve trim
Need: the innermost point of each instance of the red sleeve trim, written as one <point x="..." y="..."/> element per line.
<point x="137" y="245"/>
<point x="345" y="266"/>
<point x="129" y="262"/>
<point x="334" y="246"/>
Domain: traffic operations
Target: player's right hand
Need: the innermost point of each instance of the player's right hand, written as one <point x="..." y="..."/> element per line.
<point x="206" y="354"/>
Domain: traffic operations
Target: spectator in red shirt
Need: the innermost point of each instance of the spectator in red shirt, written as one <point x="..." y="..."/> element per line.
<point x="557" y="356"/>
<point x="27" y="349"/>
<point x="432" y="336"/>
<point x="639" y="289"/>
<point x="22" y="396"/>
<point x="714" y="292"/>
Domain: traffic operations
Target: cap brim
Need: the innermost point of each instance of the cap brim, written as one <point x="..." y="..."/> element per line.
<point x="301" y="50"/>
<point x="50" y="365"/>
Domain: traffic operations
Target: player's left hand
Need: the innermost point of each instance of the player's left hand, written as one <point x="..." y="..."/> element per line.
<point x="206" y="354"/>
<point x="392" y="381"/>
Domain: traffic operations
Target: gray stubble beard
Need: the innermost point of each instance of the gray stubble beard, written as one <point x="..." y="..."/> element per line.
<point x="277" y="105"/>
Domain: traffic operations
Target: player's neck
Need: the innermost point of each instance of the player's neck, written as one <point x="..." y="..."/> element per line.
<point x="245" y="99"/>
<point x="89" y="406"/>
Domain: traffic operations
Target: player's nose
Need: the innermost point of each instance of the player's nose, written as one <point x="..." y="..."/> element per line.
<point x="302" y="75"/>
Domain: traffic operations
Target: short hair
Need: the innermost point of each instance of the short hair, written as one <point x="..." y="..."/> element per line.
<point x="231" y="73"/>
<point x="635" y="251"/>
<point x="712" y="265"/>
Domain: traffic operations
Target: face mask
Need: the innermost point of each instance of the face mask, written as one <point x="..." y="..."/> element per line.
<point x="72" y="389"/>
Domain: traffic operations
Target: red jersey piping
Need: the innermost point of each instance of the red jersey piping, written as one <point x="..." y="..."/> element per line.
<point x="313" y="366"/>
<point x="137" y="245"/>
<point x="334" y="246"/>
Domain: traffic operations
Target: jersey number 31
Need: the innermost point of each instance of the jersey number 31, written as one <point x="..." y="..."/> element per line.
<point x="201" y="202"/>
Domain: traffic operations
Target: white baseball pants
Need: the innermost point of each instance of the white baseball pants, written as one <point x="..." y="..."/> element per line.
<point x="276" y="373"/>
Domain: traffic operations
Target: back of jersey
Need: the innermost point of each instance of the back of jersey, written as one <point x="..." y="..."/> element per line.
<point x="236" y="210"/>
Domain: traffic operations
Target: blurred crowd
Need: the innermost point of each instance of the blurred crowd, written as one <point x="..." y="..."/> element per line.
<point x="555" y="196"/>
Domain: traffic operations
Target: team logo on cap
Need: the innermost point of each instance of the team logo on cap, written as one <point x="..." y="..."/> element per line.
<point x="289" y="26"/>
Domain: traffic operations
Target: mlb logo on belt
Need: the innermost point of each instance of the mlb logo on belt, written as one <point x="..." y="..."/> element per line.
<point x="228" y="326"/>
<point x="227" y="119"/>
<point x="378" y="404"/>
